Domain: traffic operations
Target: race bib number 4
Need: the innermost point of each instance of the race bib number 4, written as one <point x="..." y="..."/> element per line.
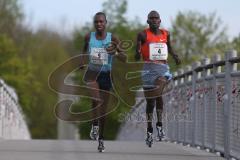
<point x="99" y="56"/>
<point x="158" y="51"/>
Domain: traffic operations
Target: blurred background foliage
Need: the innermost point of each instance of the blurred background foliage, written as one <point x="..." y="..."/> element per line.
<point x="27" y="57"/>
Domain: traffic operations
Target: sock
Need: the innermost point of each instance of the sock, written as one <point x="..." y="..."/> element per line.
<point x="150" y="130"/>
<point x="159" y="124"/>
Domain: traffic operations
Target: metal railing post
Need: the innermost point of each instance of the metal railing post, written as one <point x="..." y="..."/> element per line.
<point x="185" y="120"/>
<point x="179" y="121"/>
<point x="173" y="123"/>
<point x="216" y="58"/>
<point x="194" y="79"/>
<point x="228" y="101"/>
<point x="205" y="62"/>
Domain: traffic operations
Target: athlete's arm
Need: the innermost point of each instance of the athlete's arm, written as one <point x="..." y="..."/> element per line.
<point x="115" y="49"/>
<point x="84" y="51"/>
<point x="171" y="51"/>
<point x="86" y="43"/>
<point x="141" y="38"/>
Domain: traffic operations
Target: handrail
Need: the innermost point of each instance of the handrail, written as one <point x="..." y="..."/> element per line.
<point x="202" y="105"/>
<point x="12" y="121"/>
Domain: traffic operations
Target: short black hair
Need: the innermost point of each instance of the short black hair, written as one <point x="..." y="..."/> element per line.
<point x="153" y="11"/>
<point x="100" y="14"/>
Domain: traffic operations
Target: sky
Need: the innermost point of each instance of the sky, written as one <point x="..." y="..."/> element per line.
<point x="63" y="15"/>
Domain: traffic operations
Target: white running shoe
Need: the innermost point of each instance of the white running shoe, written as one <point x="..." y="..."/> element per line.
<point x="149" y="139"/>
<point x="94" y="132"/>
<point x="101" y="147"/>
<point x="160" y="133"/>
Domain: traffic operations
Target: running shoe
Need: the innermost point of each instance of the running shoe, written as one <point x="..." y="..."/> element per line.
<point x="94" y="132"/>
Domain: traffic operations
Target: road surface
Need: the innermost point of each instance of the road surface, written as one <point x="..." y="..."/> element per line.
<point x="87" y="150"/>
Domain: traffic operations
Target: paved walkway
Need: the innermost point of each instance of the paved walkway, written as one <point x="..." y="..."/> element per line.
<point x="87" y="150"/>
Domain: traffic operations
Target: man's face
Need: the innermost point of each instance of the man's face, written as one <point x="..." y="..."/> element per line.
<point x="100" y="22"/>
<point x="154" y="20"/>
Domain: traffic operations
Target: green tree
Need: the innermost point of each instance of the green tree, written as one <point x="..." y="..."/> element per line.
<point x="11" y="15"/>
<point x="115" y="11"/>
<point x="15" y="71"/>
<point x="195" y="34"/>
<point x="236" y="43"/>
<point x="47" y="50"/>
<point x="26" y="60"/>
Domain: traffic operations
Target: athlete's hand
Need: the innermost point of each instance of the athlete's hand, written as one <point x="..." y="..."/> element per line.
<point x="137" y="57"/>
<point x="81" y="67"/>
<point x="177" y="60"/>
<point x="111" y="49"/>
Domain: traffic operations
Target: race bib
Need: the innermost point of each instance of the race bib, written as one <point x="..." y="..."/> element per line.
<point x="158" y="51"/>
<point x="99" y="56"/>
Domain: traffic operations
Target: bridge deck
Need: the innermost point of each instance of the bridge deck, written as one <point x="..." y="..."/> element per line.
<point x="86" y="150"/>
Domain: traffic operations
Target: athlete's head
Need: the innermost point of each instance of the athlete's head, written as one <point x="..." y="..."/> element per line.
<point x="154" y="20"/>
<point x="100" y="21"/>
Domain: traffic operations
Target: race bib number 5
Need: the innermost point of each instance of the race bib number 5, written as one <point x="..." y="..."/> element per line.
<point x="99" y="56"/>
<point x="158" y="51"/>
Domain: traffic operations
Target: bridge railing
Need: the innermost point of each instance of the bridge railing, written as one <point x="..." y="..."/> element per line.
<point x="12" y="121"/>
<point x="202" y="106"/>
